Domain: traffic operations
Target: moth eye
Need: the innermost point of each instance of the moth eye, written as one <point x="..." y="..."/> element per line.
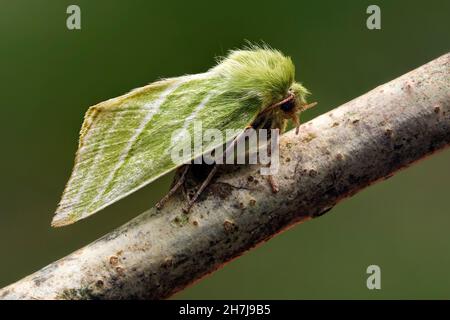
<point x="288" y="106"/>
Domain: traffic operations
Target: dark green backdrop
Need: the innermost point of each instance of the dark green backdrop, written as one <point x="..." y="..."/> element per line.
<point x="50" y="75"/>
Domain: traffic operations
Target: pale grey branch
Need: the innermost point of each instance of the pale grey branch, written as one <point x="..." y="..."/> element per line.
<point x="335" y="155"/>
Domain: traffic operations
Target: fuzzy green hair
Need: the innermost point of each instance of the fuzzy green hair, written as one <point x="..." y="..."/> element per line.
<point x="260" y="72"/>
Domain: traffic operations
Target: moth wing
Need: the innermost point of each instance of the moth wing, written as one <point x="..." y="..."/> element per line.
<point x="125" y="142"/>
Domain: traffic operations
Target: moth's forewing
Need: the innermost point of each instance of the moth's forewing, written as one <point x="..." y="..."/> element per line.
<point x="125" y="142"/>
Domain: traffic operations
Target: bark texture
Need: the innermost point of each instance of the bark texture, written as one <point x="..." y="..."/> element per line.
<point x="335" y="155"/>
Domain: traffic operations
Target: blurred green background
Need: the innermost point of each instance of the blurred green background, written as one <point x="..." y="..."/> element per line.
<point x="50" y="75"/>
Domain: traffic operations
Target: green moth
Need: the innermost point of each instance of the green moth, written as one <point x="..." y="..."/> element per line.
<point x="125" y="141"/>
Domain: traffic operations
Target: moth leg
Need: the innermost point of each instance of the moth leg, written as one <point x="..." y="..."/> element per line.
<point x="184" y="191"/>
<point x="270" y="178"/>
<point x="212" y="173"/>
<point x="178" y="184"/>
<point x="296" y="115"/>
<point x="273" y="183"/>
<point x="200" y="190"/>
<point x="295" y="118"/>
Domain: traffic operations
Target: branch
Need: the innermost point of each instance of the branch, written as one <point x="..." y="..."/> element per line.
<point x="335" y="155"/>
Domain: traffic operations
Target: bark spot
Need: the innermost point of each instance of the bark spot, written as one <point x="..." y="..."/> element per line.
<point x="408" y="87"/>
<point x="229" y="226"/>
<point x="309" y="137"/>
<point x="120" y="271"/>
<point x="167" y="263"/>
<point x="388" y="133"/>
<point x="312" y="173"/>
<point x="322" y="212"/>
<point x="113" y="260"/>
<point x="181" y="220"/>
<point x="4" y="294"/>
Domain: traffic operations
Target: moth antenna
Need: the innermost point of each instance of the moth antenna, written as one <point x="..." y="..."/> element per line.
<point x="276" y="105"/>
<point x="304" y="107"/>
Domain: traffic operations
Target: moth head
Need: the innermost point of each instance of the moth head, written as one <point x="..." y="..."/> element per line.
<point x="299" y="94"/>
<point x="295" y="100"/>
<point x="294" y="103"/>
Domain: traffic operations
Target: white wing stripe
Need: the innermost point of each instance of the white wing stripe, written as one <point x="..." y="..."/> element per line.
<point x="96" y="161"/>
<point x="153" y="108"/>
<point x="192" y="117"/>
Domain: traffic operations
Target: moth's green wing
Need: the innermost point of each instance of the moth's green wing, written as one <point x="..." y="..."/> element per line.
<point x="125" y="142"/>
